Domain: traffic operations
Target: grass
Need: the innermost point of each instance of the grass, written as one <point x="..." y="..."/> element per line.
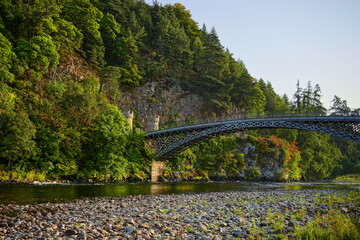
<point x="24" y="176"/>
<point x="349" y="177"/>
<point x="333" y="225"/>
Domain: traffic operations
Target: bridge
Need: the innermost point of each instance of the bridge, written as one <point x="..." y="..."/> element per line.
<point x="170" y="142"/>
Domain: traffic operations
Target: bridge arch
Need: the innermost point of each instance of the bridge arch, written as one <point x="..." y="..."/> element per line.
<point x="170" y="142"/>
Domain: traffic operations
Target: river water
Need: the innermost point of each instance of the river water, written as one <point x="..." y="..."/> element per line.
<point x="39" y="193"/>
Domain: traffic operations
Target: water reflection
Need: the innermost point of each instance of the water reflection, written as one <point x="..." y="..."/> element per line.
<point x="37" y="193"/>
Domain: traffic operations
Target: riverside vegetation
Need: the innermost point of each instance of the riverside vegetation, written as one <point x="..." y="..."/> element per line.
<point x="63" y="64"/>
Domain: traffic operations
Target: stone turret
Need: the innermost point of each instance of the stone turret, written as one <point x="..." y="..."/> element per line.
<point x="152" y="124"/>
<point x="130" y="116"/>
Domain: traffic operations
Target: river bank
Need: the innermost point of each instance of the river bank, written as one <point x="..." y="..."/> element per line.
<point x="223" y="215"/>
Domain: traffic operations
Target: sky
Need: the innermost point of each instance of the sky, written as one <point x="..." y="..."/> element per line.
<point x="283" y="41"/>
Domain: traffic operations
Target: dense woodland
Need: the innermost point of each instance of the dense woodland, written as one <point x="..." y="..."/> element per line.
<point x="56" y="125"/>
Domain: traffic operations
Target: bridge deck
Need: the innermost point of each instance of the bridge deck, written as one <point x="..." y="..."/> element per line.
<point x="174" y="140"/>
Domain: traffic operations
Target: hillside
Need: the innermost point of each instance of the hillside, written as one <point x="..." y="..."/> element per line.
<point x="69" y="70"/>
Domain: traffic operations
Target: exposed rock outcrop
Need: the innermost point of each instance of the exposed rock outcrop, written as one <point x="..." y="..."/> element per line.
<point x="155" y="99"/>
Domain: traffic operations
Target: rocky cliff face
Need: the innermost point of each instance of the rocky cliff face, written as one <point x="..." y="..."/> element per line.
<point x="72" y="67"/>
<point x="269" y="166"/>
<point x="157" y="99"/>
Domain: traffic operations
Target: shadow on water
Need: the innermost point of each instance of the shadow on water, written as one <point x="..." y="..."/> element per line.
<point x="39" y="193"/>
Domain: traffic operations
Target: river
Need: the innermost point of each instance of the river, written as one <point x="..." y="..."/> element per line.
<point x="39" y="193"/>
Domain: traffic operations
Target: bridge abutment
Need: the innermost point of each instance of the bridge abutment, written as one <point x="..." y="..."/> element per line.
<point x="152" y="124"/>
<point x="130" y="116"/>
<point x="156" y="169"/>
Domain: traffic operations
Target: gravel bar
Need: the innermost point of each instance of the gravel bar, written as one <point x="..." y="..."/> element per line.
<point x="221" y="215"/>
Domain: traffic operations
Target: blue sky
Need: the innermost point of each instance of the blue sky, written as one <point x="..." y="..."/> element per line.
<point x="283" y="41"/>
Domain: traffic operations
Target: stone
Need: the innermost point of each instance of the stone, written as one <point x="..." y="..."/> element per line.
<point x="129" y="228"/>
<point x="70" y="232"/>
<point x="237" y="234"/>
<point x="202" y="228"/>
<point x="82" y="235"/>
<point x="4" y="224"/>
<point x="144" y="226"/>
<point x="131" y="221"/>
<point x="11" y="224"/>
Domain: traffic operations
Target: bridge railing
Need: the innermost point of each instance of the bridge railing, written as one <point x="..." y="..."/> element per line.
<point x="246" y="115"/>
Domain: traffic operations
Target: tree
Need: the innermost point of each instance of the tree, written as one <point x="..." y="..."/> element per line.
<point x="26" y="19"/>
<point x="307" y="97"/>
<point x="86" y="18"/>
<point x="7" y="57"/>
<point x="67" y="37"/>
<point x="317" y="105"/>
<point x="198" y="49"/>
<point x="339" y="107"/>
<point x="17" y="143"/>
<point x="185" y="20"/>
<point x="110" y="75"/>
<point x="108" y="143"/>
<point x="39" y="54"/>
<point x="319" y="156"/>
<point x="297" y="99"/>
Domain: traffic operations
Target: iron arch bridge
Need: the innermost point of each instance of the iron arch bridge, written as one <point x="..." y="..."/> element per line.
<point x="170" y="142"/>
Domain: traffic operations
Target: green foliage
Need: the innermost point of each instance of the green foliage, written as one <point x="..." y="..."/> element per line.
<point x="286" y="152"/>
<point x="109" y="143"/>
<point x="319" y="156"/>
<point x="17" y="143"/>
<point x="139" y="157"/>
<point x="333" y="225"/>
<point x="39" y="53"/>
<point x="253" y="173"/>
<point x="86" y="18"/>
<point x="349" y="177"/>
<point x="109" y="80"/>
<point x="7" y="57"/>
<point x="350" y="161"/>
<point x="67" y="37"/>
<point x="26" y="19"/>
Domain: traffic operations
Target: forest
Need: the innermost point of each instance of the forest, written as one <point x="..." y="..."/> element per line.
<point x="56" y="123"/>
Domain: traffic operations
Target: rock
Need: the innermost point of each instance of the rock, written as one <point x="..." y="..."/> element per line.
<point x="188" y="221"/>
<point x="237" y="234"/>
<point x="202" y="228"/>
<point x="70" y="232"/>
<point x="145" y="236"/>
<point x="34" y="229"/>
<point x="292" y="223"/>
<point x="81" y="235"/>
<point x="4" y="225"/>
<point x="131" y="221"/>
<point x="11" y="224"/>
<point x="144" y="226"/>
<point x="223" y="224"/>
<point x="129" y="228"/>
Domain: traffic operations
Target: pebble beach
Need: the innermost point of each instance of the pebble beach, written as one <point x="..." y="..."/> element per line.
<point x="223" y="215"/>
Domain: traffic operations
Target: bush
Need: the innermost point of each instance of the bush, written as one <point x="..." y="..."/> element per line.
<point x="253" y="173"/>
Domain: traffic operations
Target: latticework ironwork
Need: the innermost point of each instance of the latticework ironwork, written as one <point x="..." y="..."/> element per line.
<point x="170" y="142"/>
